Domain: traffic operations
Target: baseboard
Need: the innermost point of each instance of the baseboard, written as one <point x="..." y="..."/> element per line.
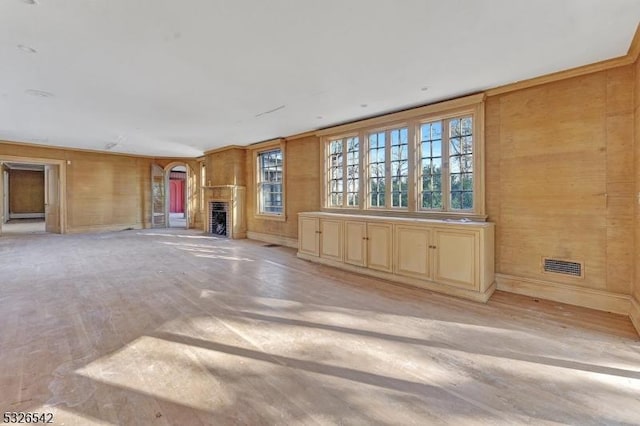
<point x="572" y="295"/>
<point x="273" y="239"/>
<point x="26" y="215"/>
<point x="103" y="228"/>
<point x="634" y="313"/>
<point x="415" y="282"/>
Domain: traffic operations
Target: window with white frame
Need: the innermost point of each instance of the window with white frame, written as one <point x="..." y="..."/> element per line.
<point x="429" y="162"/>
<point x="455" y="146"/>
<point x="343" y="162"/>
<point x="270" y="182"/>
<point x="388" y="161"/>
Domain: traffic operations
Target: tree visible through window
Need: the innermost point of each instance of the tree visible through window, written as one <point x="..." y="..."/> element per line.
<point x="431" y="164"/>
<point x="344" y="166"/>
<point x="461" y="163"/>
<point x="399" y="167"/>
<point x="270" y="172"/>
<point x="456" y="145"/>
<point x="377" y="172"/>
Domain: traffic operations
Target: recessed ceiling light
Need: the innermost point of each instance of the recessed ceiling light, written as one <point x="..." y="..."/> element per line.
<point x="27" y="48"/>
<point x="363" y="105"/>
<point x="38" y="93"/>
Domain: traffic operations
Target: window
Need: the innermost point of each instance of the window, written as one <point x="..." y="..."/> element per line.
<point x="389" y="150"/>
<point x="431" y="165"/>
<point x="377" y="169"/>
<point x="270" y="182"/>
<point x="456" y="146"/>
<point x="460" y="163"/>
<point x="399" y="160"/>
<point x="425" y="161"/>
<point x="203" y="183"/>
<point x="344" y="167"/>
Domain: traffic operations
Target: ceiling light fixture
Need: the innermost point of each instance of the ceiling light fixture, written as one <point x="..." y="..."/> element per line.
<point x="38" y="93"/>
<point x="363" y="105"/>
<point x="424" y="89"/>
<point x="27" y="48"/>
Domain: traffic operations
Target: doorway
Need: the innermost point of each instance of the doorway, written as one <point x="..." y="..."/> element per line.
<point x="177" y="197"/>
<point x="23" y="198"/>
<point x="170" y="193"/>
<point x="32" y="195"/>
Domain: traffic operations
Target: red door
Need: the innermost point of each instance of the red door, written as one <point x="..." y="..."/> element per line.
<point x="176" y="196"/>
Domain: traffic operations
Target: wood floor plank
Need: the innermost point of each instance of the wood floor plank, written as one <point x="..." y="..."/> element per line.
<point x="175" y="327"/>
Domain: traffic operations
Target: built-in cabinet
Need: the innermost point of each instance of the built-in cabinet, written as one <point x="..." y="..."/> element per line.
<point x="452" y="257"/>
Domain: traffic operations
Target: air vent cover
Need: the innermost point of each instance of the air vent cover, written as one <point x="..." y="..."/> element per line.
<point x="564" y="267"/>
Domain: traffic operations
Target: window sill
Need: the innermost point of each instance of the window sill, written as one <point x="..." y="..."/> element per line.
<point x="274" y="217"/>
<point x="416" y="214"/>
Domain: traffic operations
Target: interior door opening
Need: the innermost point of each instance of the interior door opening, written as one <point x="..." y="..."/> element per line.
<point x="177" y="197"/>
<point x="170" y="192"/>
<point x="30" y="196"/>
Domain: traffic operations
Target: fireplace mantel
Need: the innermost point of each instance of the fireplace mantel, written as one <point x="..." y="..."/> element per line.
<point x="235" y="196"/>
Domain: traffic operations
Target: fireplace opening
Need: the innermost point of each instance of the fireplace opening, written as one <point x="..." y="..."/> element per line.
<point x="218" y="213"/>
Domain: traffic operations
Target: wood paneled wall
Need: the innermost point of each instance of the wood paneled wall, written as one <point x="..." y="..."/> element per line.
<point x="302" y="189"/>
<point x="104" y="191"/>
<point x="560" y="184"/>
<point x="227" y="167"/>
<point x="637" y="190"/>
<point x="107" y="192"/>
<point x="26" y="191"/>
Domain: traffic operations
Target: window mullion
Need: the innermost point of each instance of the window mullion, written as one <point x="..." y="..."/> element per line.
<point x="362" y="170"/>
<point x="412" y="190"/>
<point x="345" y="177"/>
<point x="446" y="178"/>
<point x="387" y="170"/>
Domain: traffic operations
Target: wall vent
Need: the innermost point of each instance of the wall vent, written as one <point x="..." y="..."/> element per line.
<point x="564" y="267"/>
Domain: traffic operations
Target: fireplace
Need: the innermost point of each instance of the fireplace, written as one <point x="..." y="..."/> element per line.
<point x="218" y="214"/>
<point x="224" y="207"/>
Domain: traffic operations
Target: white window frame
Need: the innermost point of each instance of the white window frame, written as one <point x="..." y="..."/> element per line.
<point x="345" y="181"/>
<point x="388" y="182"/>
<point x="412" y="119"/>
<point x="446" y="166"/>
<point x="263" y="148"/>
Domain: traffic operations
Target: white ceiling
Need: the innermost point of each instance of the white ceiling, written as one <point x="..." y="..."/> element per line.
<point x="179" y="77"/>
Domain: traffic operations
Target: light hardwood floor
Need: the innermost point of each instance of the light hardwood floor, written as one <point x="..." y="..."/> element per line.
<point x="176" y="327"/>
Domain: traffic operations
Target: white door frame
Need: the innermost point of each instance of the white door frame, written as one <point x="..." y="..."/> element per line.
<point x="167" y="191"/>
<point x="5" y="195"/>
<point x="62" y="188"/>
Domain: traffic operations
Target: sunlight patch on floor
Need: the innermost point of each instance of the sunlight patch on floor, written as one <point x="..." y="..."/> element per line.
<point x="163" y="369"/>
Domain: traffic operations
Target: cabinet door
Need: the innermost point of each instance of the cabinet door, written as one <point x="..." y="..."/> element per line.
<point x="379" y="247"/>
<point x="412" y="245"/>
<point x="355" y="243"/>
<point x="331" y="239"/>
<point x="308" y="240"/>
<point x="456" y="257"/>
